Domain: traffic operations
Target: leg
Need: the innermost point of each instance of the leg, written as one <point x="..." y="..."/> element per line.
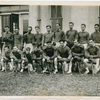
<point x="70" y="67"/>
<point x="55" y="66"/>
<point x="2" y="64"/>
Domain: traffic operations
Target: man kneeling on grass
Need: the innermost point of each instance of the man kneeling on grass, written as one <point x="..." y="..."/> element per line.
<point x="6" y="60"/>
<point x="27" y="60"/>
<point x="49" y="58"/>
<point x="16" y="56"/>
<point x="64" y="56"/>
<point x="92" y="58"/>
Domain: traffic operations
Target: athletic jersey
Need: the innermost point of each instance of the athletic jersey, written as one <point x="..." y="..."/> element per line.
<point x="63" y="52"/>
<point x="17" y="39"/>
<point x="83" y="37"/>
<point x="96" y="37"/>
<point x="48" y="37"/>
<point x="71" y="35"/>
<point x="49" y="51"/>
<point x="28" y="37"/>
<point x="37" y="40"/>
<point x="7" y="55"/>
<point x="93" y="50"/>
<point x="79" y="49"/>
<point x="58" y="35"/>
<point x="17" y="54"/>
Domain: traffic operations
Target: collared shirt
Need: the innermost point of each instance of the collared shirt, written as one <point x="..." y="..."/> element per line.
<point x="79" y="49"/>
<point x="28" y="37"/>
<point x="17" y="39"/>
<point x="71" y="35"/>
<point x="63" y="52"/>
<point x="58" y="35"/>
<point x="83" y="37"/>
<point x="7" y="37"/>
<point x="96" y="37"/>
<point x="48" y="37"/>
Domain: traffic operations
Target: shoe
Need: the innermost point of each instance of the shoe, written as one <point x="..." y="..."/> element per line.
<point x="44" y="71"/>
<point x="69" y="72"/>
<point x="55" y="71"/>
<point x="21" y="70"/>
<point x="2" y="69"/>
<point x="86" y="72"/>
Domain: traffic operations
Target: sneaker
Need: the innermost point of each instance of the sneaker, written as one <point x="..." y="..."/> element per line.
<point x="21" y="70"/>
<point x="3" y="69"/>
<point x="55" y="71"/>
<point x="86" y="72"/>
<point x="69" y="72"/>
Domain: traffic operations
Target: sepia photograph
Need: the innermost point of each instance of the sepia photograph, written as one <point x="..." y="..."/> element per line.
<point x="49" y="50"/>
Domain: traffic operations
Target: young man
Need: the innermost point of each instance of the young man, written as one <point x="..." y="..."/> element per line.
<point x="83" y="36"/>
<point x="48" y="36"/>
<point x="71" y="35"/>
<point x="28" y="38"/>
<point x="38" y="38"/>
<point x="18" y="40"/>
<point x="58" y="35"/>
<point x="92" y="55"/>
<point x="64" y="56"/>
<point x="78" y="53"/>
<point x="49" y="58"/>
<point x="27" y="60"/>
<point x="37" y="59"/>
<point x="6" y="59"/>
<point x="96" y="35"/>
<point x="16" y="58"/>
<point x="7" y="38"/>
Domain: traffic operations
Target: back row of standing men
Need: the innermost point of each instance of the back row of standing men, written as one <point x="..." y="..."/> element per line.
<point x="40" y="40"/>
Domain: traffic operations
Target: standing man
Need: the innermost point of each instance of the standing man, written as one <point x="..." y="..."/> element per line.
<point x="48" y="36"/>
<point x="28" y="39"/>
<point x="83" y="36"/>
<point x="18" y="41"/>
<point x="58" y="35"/>
<point x="7" y="38"/>
<point x="71" y="35"/>
<point x="95" y="36"/>
<point x="38" y="38"/>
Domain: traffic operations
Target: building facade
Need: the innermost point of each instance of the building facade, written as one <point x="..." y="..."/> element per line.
<point x="23" y="16"/>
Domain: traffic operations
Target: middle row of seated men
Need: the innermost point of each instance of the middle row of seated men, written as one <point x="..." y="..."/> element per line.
<point x="49" y="57"/>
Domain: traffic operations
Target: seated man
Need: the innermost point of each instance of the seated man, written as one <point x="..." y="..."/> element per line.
<point x="78" y="55"/>
<point x="37" y="59"/>
<point x="6" y="59"/>
<point x="27" y="60"/>
<point x="92" y="57"/>
<point x="64" y="56"/>
<point x="16" y="55"/>
<point x="48" y="57"/>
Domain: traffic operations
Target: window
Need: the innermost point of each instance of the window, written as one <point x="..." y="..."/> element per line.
<point x="56" y="16"/>
<point x="25" y="26"/>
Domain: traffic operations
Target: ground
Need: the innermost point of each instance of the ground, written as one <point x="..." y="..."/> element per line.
<point x="49" y="85"/>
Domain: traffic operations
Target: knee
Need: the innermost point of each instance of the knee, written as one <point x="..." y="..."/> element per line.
<point x="12" y="60"/>
<point x="85" y="60"/>
<point x="55" y="60"/>
<point x="2" y="60"/>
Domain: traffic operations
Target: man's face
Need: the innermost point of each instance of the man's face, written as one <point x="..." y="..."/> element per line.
<point x="57" y="26"/>
<point x="49" y="44"/>
<point x="83" y="27"/>
<point x="91" y="43"/>
<point x="6" y="49"/>
<point x="75" y="43"/>
<point x="29" y="29"/>
<point x="48" y="29"/>
<point x="16" y="31"/>
<point x="37" y="30"/>
<point x="71" y="26"/>
<point x="6" y="29"/>
<point x="27" y="51"/>
<point x="15" y="48"/>
<point x="62" y="43"/>
<point x="96" y="28"/>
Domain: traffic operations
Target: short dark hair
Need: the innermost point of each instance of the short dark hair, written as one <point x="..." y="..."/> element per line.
<point x="58" y="24"/>
<point x="62" y="40"/>
<point x="83" y="24"/>
<point x="6" y="26"/>
<point x="97" y="25"/>
<point x="6" y="47"/>
<point x="37" y="27"/>
<point x="71" y="23"/>
<point x="48" y="26"/>
<point x="48" y="41"/>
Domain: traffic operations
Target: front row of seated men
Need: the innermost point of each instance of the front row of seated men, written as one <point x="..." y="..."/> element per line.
<point x="49" y="58"/>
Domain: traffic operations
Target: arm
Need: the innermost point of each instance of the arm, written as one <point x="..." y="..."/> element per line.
<point x="87" y="37"/>
<point x="76" y="35"/>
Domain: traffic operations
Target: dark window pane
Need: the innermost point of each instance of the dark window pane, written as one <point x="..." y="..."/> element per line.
<point x="25" y="26"/>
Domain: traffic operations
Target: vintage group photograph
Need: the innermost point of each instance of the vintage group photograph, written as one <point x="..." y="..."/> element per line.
<point x="49" y="50"/>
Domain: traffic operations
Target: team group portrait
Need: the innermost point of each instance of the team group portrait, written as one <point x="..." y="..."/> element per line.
<point x="49" y="56"/>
